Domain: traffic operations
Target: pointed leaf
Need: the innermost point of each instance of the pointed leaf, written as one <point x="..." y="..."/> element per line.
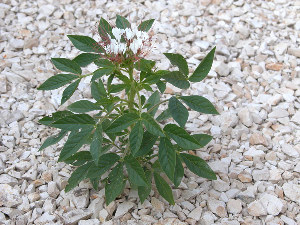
<point x="136" y="137"/>
<point x="203" y="139"/>
<point x="96" y="145"/>
<point x="136" y="173"/>
<point x="104" y="63"/>
<point x="147" y="144"/>
<point x="144" y="191"/>
<point x="181" y="137"/>
<point x="115" y="185"/>
<point x="101" y="72"/>
<point x="178" y="111"/>
<point x="198" y="166"/>
<point x="66" y="65"/>
<point x="84" y="59"/>
<point x="163" y="188"/>
<point x="53" y="139"/>
<point x="122" y="122"/>
<point x="199" y="104"/>
<point x="161" y="86"/>
<point x="144" y="65"/>
<point x="146" y="25"/>
<point x="74" y="122"/>
<point x="104" y="29"/>
<point x="84" y="43"/>
<point x="69" y="91"/>
<point x="83" y="106"/>
<point x="179" y="172"/>
<point x="106" y="161"/>
<point x="79" y="158"/>
<point x="151" y="125"/>
<point x="177" y="79"/>
<point x="98" y="90"/>
<point x="164" y="115"/>
<point x="57" y="81"/>
<point x="153" y="100"/>
<point x="78" y="175"/>
<point x="47" y="120"/>
<point x="122" y="23"/>
<point x="74" y="143"/>
<point x="167" y="157"/>
<point x="179" y="61"/>
<point x="204" y="67"/>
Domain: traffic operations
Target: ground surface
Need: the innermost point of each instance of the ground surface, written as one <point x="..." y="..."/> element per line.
<point x="254" y="83"/>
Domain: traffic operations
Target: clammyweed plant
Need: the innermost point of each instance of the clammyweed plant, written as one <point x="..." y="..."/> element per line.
<point x="124" y="134"/>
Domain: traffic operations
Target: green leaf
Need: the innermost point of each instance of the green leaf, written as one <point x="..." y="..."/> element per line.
<point x="178" y="111"/>
<point x="144" y="191"/>
<point x="144" y="65"/>
<point x="161" y="86"/>
<point x="151" y="125"/>
<point x="198" y="166"/>
<point x="74" y="143"/>
<point x="84" y="43"/>
<point x="146" y="25"/>
<point x="106" y="161"/>
<point x="153" y="100"/>
<point x="167" y="157"/>
<point x="83" y="106"/>
<point x="47" y="120"/>
<point x="78" y="175"/>
<point x="84" y="59"/>
<point x="104" y="63"/>
<point x="69" y="91"/>
<point x="136" y="137"/>
<point x="179" y="172"/>
<point x="104" y="29"/>
<point x="122" y="23"/>
<point x="74" y="122"/>
<point x="57" y="81"/>
<point x="199" y="104"/>
<point x="79" y="158"/>
<point x="164" y="115"/>
<point x="115" y="185"/>
<point x="66" y="65"/>
<point x="147" y="144"/>
<point x="147" y="87"/>
<point x="203" y="68"/>
<point x="179" y="61"/>
<point x="96" y="145"/>
<point x="163" y="188"/>
<point x="101" y="72"/>
<point x="203" y="139"/>
<point x="122" y="122"/>
<point x="136" y="173"/>
<point x="181" y="137"/>
<point x="98" y="90"/>
<point x="115" y="88"/>
<point x="53" y="139"/>
<point x="177" y="79"/>
<point x="95" y="183"/>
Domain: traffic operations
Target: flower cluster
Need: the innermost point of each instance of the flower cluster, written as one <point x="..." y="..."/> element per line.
<point x="126" y="43"/>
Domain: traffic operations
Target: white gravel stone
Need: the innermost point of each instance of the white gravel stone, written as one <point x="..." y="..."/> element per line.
<point x="234" y="206"/>
<point x="292" y="191"/>
<point x="217" y="207"/>
<point x="123" y="208"/>
<point x="272" y="204"/>
<point x="9" y="197"/>
<point x="196" y="213"/>
<point x="256" y="209"/>
<point x="289" y="150"/>
<point x="6" y="179"/>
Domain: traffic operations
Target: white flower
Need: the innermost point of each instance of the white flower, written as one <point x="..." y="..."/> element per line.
<point x="122" y="48"/>
<point x="136" y="45"/>
<point x="129" y="33"/>
<point x="118" y="33"/>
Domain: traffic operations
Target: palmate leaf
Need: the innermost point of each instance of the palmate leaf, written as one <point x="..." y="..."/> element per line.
<point x="122" y="22"/>
<point x="144" y="191"/>
<point x="104" y="29"/>
<point x="66" y="65"/>
<point x="179" y="171"/>
<point x="98" y="90"/>
<point x="147" y="144"/>
<point x="146" y="25"/>
<point x="96" y="145"/>
<point x="136" y="173"/>
<point x="122" y="122"/>
<point x="199" y="104"/>
<point x="177" y="79"/>
<point x="74" y="122"/>
<point x="179" y="61"/>
<point x="53" y="139"/>
<point x="84" y="59"/>
<point x="69" y="91"/>
<point x="47" y="120"/>
<point x="83" y="106"/>
<point x="84" y="43"/>
<point x="153" y="100"/>
<point x="163" y="188"/>
<point x="136" y="137"/>
<point x="151" y="125"/>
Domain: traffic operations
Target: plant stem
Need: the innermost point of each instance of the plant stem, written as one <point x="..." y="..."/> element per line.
<point x="153" y="107"/>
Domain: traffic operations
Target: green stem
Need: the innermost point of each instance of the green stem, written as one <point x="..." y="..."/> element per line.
<point x="86" y="75"/>
<point x="153" y="107"/>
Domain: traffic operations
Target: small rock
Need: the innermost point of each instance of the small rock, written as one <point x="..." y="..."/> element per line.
<point x="9" y="197"/>
<point x="30" y="175"/>
<point x="263" y="174"/>
<point x="23" y="165"/>
<point x="245" y="117"/>
<point x="196" y="213"/>
<point x="47" y="176"/>
<point x="274" y="66"/>
<point x="74" y="216"/>
<point x="287" y="220"/>
<point x="157" y="205"/>
<point x="123" y="208"/>
<point x="81" y="197"/>
<point x="234" y="206"/>
<point x="34" y="197"/>
<point x="220" y="185"/>
<point x="46" y="10"/>
<point x="103" y="215"/>
<point x="17" y="43"/>
<point x="53" y="190"/>
<point x="6" y="179"/>
<point x="256" y="209"/>
<point x="272" y="204"/>
<point x="245" y="177"/>
<point x="292" y="191"/>
<point x="278" y="113"/>
<point x="46" y="218"/>
<point x="217" y="207"/>
<point x="294" y="52"/>
<point x="208" y="218"/>
<point x="258" y="139"/>
<point x="89" y="222"/>
<point x="289" y="150"/>
<point x="223" y="70"/>
<point x="296" y="117"/>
